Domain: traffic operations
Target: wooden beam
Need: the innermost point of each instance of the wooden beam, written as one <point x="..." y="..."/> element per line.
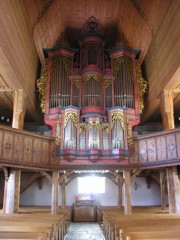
<point x="127" y="192"/>
<point x="30" y="181"/>
<point x="163" y="179"/>
<point x="19" y="108"/>
<point x="173" y="190"/>
<point x="63" y="188"/>
<point x="167" y="109"/>
<point x="55" y="193"/>
<point x="12" y="192"/>
<point x="47" y="176"/>
<point x="119" y="192"/>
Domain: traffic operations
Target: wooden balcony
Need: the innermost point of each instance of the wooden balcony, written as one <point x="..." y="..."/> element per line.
<point x="20" y="148"/>
<point x="24" y="149"/>
<point x="157" y="149"/>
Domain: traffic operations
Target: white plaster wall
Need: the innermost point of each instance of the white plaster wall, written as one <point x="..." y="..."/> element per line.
<point x="143" y="196"/>
<point x="140" y="197"/>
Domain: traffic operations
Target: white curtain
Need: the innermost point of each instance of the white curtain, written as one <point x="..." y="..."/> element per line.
<point x="94" y="138"/>
<point x="117" y="136"/>
<point x="70" y="135"/>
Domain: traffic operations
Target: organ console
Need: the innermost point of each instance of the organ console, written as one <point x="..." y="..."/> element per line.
<point x="92" y="97"/>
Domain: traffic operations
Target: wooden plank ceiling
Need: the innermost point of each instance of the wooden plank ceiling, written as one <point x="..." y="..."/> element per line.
<point x="45" y="20"/>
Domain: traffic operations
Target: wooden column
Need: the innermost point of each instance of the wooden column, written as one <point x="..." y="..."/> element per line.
<point x="127" y="193"/>
<point x="63" y="188"/>
<point x="55" y="193"/>
<point x="163" y="188"/>
<point x="167" y="109"/>
<point x="119" y="191"/>
<point x="19" y="109"/>
<point x="173" y="183"/>
<point x="12" y="192"/>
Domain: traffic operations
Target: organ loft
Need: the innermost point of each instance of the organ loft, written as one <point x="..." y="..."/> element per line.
<point x="92" y="97"/>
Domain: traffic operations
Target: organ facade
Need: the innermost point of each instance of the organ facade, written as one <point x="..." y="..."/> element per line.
<point x="92" y="97"/>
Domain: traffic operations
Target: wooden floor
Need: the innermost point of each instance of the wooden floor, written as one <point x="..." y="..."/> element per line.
<point x="84" y="231"/>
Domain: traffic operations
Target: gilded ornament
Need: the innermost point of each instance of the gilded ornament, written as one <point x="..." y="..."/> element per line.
<point x="130" y="138"/>
<point x="42" y="84"/>
<point x="142" y="86"/>
<point x="122" y="59"/>
<point x="76" y="82"/>
<point x="107" y="82"/>
<point x="94" y="124"/>
<point x="117" y="116"/>
<point x="70" y="115"/>
<point x="82" y="127"/>
<point x="96" y="77"/>
<point x="67" y="63"/>
<point x="105" y="127"/>
<point x="58" y="134"/>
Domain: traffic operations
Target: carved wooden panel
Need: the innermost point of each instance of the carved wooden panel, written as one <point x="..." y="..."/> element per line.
<point x="28" y="149"/>
<point x="18" y="147"/>
<point x="171" y="146"/>
<point x="36" y="151"/>
<point x="178" y="144"/>
<point x="7" y="146"/>
<point x="151" y="145"/>
<point x="161" y="148"/>
<point x="45" y="152"/>
<point x="142" y="151"/>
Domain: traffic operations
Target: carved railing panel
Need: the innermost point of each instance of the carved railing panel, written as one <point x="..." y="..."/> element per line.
<point x="20" y="148"/>
<point x="157" y="149"/>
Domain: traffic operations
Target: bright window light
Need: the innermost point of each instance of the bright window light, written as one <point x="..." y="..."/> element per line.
<point x="91" y="184"/>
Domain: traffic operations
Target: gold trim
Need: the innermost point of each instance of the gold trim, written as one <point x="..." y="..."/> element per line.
<point x="107" y="82"/>
<point x="87" y="77"/>
<point x="142" y="86"/>
<point x="105" y="127"/>
<point x="71" y="115"/>
<point x="42" y="85"/>
<point x="130" y="138"/>
<point x="82" y="127"/>
<point x="94" y="124"/>
<point x="117" y="116"/>
<point x="58" y="131"/>
<point x="58" y="134"/>
<point x="122" y="59"/>
<point x="67" y="63"/>
<point x="76" y="82"/>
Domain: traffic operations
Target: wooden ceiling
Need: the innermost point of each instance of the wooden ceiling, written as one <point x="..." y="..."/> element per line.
<point x="28" y="27"/>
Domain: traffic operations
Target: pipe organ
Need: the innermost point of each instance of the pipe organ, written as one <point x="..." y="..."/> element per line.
<point x="92" y="98"/>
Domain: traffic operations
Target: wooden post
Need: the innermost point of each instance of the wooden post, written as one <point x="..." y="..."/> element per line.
<point x="63" y="188"/>
<point x="55" y="193"/>
<point x="127" y="192"/>
<point x="167" y="109"/>
<point x="19" y="109"/>
<point x="12" y="192"/>
<point x="119" y="191"/>
<point x="163" y="189"/>
<point x="173" y="190"/>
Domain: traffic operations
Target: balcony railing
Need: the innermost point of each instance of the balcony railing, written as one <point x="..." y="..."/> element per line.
<point x="19" y="148"/>
<point x="157" y="149"/>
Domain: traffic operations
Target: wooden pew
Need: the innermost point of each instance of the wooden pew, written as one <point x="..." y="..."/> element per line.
<point x="52" y="225"/>
<point x="118" y="226"/>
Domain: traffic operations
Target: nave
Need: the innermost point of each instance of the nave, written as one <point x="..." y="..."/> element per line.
<point x="84" y="231"/>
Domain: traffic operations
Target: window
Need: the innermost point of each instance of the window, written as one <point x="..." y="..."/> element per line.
<point x="91" y="184"/>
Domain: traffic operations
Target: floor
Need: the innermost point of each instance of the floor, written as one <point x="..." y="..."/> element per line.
<point x="84" y="231"/>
